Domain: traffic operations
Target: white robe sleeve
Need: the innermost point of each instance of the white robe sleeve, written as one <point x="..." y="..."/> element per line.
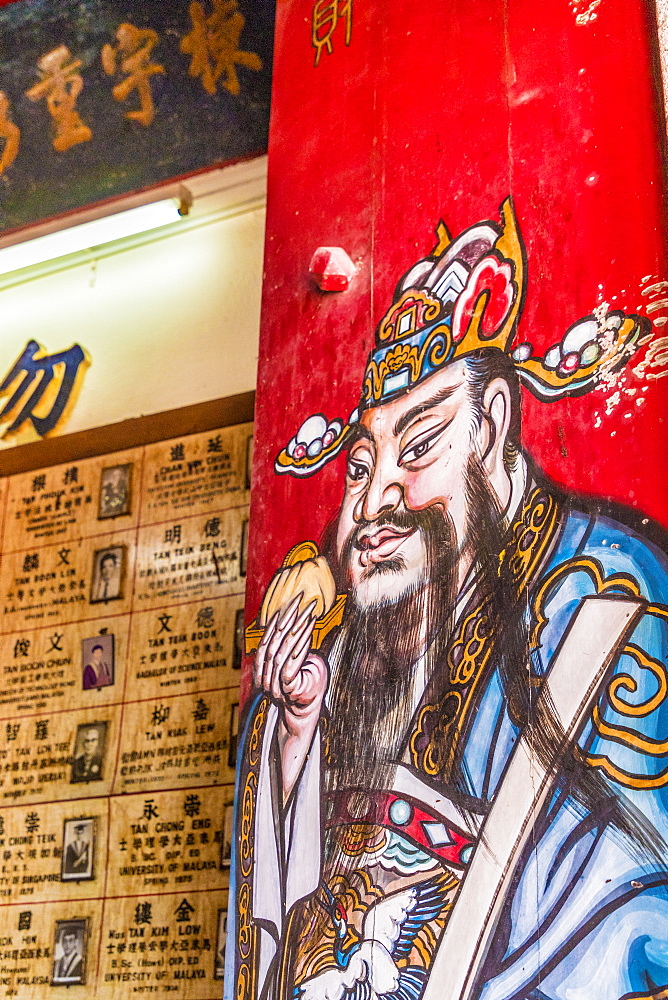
<point x="287" y="846"/>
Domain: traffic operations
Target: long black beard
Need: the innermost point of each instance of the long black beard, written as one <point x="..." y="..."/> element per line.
<point x="371" y="703"/>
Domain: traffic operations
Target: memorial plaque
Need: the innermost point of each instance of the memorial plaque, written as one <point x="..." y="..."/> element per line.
<point x="121" y="632"/>
<point x="176" y="742"/>
<point x="190" y="559"/>
<point x="53" y="851"/>
<point x="35" y="954"/>
<point x="85" y="578"/>
<point x="63" y="667"/>
<point x="185" y="648"/>
<point x="197" y="474"/>
<point x="72" y="501"/>
<point x="65" y="755"/>
<point x="166" y="944"/>
<point x="163" y="841"/>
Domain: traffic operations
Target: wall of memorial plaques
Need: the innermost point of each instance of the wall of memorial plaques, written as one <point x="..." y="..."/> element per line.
<point x="121" y="616"/>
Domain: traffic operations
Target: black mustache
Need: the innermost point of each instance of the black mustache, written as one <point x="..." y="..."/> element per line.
<point x="402" y="520"/>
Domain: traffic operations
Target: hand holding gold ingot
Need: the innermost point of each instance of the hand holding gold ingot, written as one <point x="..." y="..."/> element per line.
<point x="300" y="608"/>
<point x="306" y="575"/>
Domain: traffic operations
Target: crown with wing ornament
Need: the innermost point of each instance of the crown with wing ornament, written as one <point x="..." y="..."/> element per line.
<point x="466" y="295"/>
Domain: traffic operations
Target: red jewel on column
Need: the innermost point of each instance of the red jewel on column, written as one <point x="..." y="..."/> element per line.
<point x="332" y="269"/>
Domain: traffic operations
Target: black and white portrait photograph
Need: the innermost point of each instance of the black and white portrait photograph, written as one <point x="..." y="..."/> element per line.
<point x="69" y="952"/>
<point x="115" y="491"/>
<point x="97" y="662"/>
<point x="221" y="941"/>
<point x="108" y="574"/>
<point x="89" y="750"/>
<point x="77" y="864"/>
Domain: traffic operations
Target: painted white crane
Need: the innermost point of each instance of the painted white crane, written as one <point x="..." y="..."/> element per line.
<point x="367" y="969"/>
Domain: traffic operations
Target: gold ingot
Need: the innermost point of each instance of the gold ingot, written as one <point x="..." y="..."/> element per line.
<point x="304" y="574"/>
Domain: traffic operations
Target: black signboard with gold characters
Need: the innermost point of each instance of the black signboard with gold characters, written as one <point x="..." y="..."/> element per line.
<point x="100" y="97"/>
<point x="121" y="631"/>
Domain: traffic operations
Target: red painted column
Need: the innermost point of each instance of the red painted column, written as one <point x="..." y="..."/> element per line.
<point x="402" y="127"/>
<point x="441" y="111"/>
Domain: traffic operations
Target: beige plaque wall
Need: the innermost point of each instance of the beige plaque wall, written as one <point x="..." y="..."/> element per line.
<point x="121" y="615"/>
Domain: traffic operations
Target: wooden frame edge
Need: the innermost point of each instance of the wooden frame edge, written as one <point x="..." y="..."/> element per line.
<point x="133" y="433"/>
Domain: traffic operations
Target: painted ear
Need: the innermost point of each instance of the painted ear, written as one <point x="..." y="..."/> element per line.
<point x="497" y="412"/>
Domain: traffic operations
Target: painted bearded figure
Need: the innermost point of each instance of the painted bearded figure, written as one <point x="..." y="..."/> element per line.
<point x="459" y="790"/>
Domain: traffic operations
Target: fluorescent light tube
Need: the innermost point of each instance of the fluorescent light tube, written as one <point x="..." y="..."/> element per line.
<point x="95" y="233"/>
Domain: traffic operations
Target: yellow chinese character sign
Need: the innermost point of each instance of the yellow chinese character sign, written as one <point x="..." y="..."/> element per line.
<point x="125" y="96"/>
<point x="324" y="22"/>
<point x="60" y="84"/>
<point x="10" y="132"/>
<point x="213" y="45"/>
<point x="40" y="390"/>
<point x="132" y="55"/>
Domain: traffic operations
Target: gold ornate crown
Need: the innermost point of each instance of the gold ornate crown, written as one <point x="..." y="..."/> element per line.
<point x="467" y="295"/>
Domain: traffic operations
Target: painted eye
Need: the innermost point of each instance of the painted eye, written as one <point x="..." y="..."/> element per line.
<point x="418" y="450"/>
<point x="356" y="471"/>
